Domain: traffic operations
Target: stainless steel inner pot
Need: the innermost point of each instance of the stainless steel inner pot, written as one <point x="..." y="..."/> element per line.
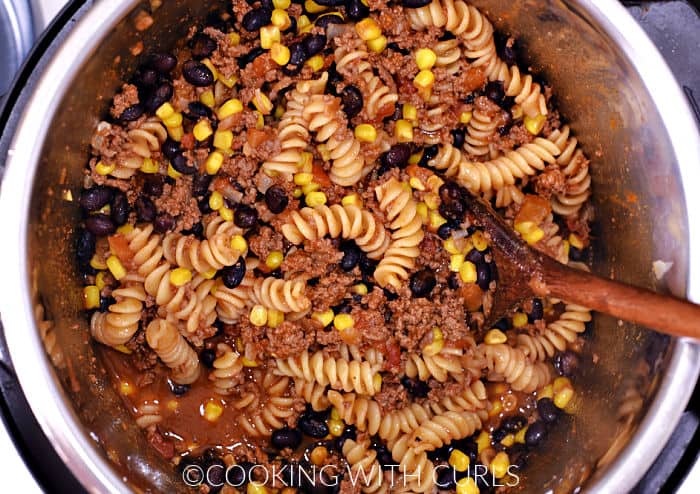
<point x="628" y="113"/>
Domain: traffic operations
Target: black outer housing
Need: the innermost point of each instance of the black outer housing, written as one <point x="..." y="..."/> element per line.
<point x="48" y="469"/>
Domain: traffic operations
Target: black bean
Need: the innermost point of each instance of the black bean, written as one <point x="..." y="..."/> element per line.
<point x="95" y="198"/>
<point x="162" y="62"/>
<point x="498" y="435"/>
<point x="245" y="216"/>
<point x="197" y="110"/>
<point x="506" y="50"/>
<point x="163" y="223"/>
<point x="415" y="4"/>
<point x="84" y="245"/>
<point x="216" y="472"/>
<point x="232" y="276"/>
<point x="313" y="426"/>
<point x="197" y="74"/>
<point x="145" y="78"/>
<point x="475" y="256"/>
<point x="200" y="185"/>
<point x="203" y="205"/>
<point x="566" y="363"/>
<point x="202" y="46"/>
<point x="286" y="438"/>
<point x="495" y="92"/>
<point x="178" y="389"/>
<point x="132" y="113"/>
<point x="470" y="98"/>
<point x="390" y="296"/>
<point x="548" y="410"/>
<point x="535" y="433"/>
<point x="153" y="185"/>
<point x="145" y="209"/>
<point x="105" y="302"/>
<point x="254" y="53"/>
<point x="276" y="199"/>
<point x="331" y="3"/>
<point x="429" y="153"/>
<point x="576" y="254"/>
<point x="445" y="230"/>
<point x="422" y="283"/>
<point x="453" y="281"/>
<point x="349" y="432"/>
<point x="119" y="208"/>
<point x="325" y="20"/>
<point x="501" y="324"/>
<point x="179" y="163"/>
<point x="367" y="265"/>
<point x="207" y="357"/>
<point x="352" y="101"/>
<point x="314" y="44"/>
<point x="356" y="10"/>
<point x="160" y="95"/>
<point x="483" y="275"/>
<point x="397" y="156"/>
<point x="383" y="454"/>
<point x="452" y="204"/>
<point x="458" y="135"/>
<point x="468" y="447"/>
<point x="170" y="148"/>
<point x="100" y="224"/>
<point x="446" y="478"/>
<point x="351" y="255"/>
<point x="395" y="47"/>
<point x="256" y="18"/>
<point x="292" y="29"/>
<point x="415" y="387"/>
<point x="197" y="230"/>
<point x="239" y="474"/>
<point x="537" y="311"/>
<point x="514" y="423"/>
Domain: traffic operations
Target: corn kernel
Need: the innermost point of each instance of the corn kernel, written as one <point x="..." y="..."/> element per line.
<point x="424" y="79"/>
<point x="567" y="248"/>
<point x="149" y="166"/>
<point x="456" y="261"/>
<point x="176" y="133"/>
<point x="314" y="199"/>
<point x="546" y="392"/>
<point x="360" y="289"/>
<point x="214" y="162"/>
<point x="115" y="267"/>
<point x="508" y="441"/>
<point x="366" y="133"/>
<point x="309" y="188"/>
<point x="202" y="130"/>
<point x="297" y="193"/>
<point x="239" y="243"/>
<point x="415" y="158"/>
<point x="520" y="435"/>
<point x="268" y="36"/>
<point x="207" y="63"/>
<point x="534" y="236"/>
<point x="318" y="455"/>
<point x="207" y="98"/>
<point x="496" y="408"/>
<point x="377" y="382"/>
<point x="434" y="182"/>
<point x="377" y="45"/>
<point x="415" y="183"/>
<point x="465" y="117"/>
<point x="173" y="121"/>
<point x="404" y="131"/>
<point x="229" y="82"/>
<point x="495" y="337"/>
<point x="467" y="272"/>
<point x="436" y="345"/>
<point x="313" y="8"/>
<point x="223" y="139"/>
<point x="228" y="108"/>
<point x="280" y="18"/>
<point x="425" y="58"/>
<point x="123" y="349"/>
<point x="100" y="280"/>
<point x="180" y="276"/>
<point x="209" y="275"/>
<point x="306" y="162"/>
<point x="316" y="62"/>
<point x="336" y="427"/>
<point x="432" y="200"/>
<point x="409" y="112"/>
<point x="467" y="485"/>
<point x="459" y="461"/>
<point x="97" y="263"/>
<point x="274" y="259"/>
<point x="324" y="318"/>
<point x="248" y="363"/>
<point x="281" y="4"/>
<point x="103" y="169"/>
<point x="499" y="465"/>
<point x="483" y="441"/>
<point x="165" y="110"/>
<point x="563" y="392"/>
<point x="302" y="179"/>
<point x="280" y="54"/>
<point x="341" y="322"/>
<point x="226" y="213"/>
<point x="172" y="405"/>
<point x="91" y="297"/>
<point x="479" y="241"/>
<point x="422" y="210"/>
<point x="576" y="241"/>
<point x="216" y="200"/>
<point x="519" y="320"/>
<point x="351" y="200"/>
<point x="255" y="488"/>
<point x="436" y="220"/>
<point x="517" y="112"/>
<point x="450" y="247"/>
<point x="126" y="388"/>
<point x="258" y="315"/>
<point x="303" y="23"/>
<point x="274" y="317"/>
<point x="212" y="411"/>
<point x="368" y="29"/>
<point x="534" y="125"/>
<point x="106" y="209"/>
<point x="524" y="227"/>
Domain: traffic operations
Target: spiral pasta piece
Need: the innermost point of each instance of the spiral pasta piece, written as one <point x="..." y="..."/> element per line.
<point x="313" y="393"/>
<point x="407" y="233"/>
<point x="339" y="373"/>
<point x="575" y="168"/>
<point x="146" y="247"/>
<point x="513" y="366"/>
<point x="204" y="256"/>
<point x="413" y="463"/>
<point x="440" y="367"/>
<point x="479" y="132"/>
<point x="352" y="352"/>
<point x="143" y="142"/>
<point x="363" y="413"/>
<point x="448" y="55"/>
<point x="473" y="399"/>
<point x="432" y="125"/>
<point x="232" y="303"/>
<point x="119" y="324"/>
<point x="272" y="416"/>
<point x="557" y="334"/>
<point x="448" y="160"/>
<point x="283" y="295"/>
<point x="443" y="429"/>
<point x="404" y="421"/>
<point x="527" y="93"/>
<point x="148" y="414"/>
<point x="227" y="366"/>
<point x="165" y="339"/>
<point x="364" y="467"/>
<point x="347" y="222"/>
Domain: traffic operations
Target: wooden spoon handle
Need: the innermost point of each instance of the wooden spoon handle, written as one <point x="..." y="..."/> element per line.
<point x="661" y="312"/>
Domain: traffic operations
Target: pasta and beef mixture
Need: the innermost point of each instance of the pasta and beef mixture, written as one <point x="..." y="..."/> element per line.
<point x="276" y="254"/>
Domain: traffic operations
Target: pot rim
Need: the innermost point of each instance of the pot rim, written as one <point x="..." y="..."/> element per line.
<point x="50" y="405"/>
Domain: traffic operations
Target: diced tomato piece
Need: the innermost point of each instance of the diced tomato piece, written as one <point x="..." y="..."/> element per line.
<point x="320" y="176"/>
<point x="120" y="247"/>
<point x="256" y="137"/>
<point x="534" y="209"/>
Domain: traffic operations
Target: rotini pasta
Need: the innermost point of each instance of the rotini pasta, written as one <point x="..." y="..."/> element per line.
<point x="203" y="256"/>
<point x="479" y="131"/>
<point x="164" y="338"/>
<point x="511" y="365"/>
<point x="414" y="464"/>
<point x="364" y="466"/>
<point x="575" y="168"/>
<point x="439" y="367"/>
<point x="121" y="322"/>
<point x="148" y="414"/>
<point x="313" y="393"/>
<point x="443" y="429"/>
<point x="286" y="296"/>
<point x="556" y="335"/>
<point x="227" y="366"/>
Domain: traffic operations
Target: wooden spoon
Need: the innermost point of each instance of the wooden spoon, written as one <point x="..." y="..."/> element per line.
<point x="524" y="272"/>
